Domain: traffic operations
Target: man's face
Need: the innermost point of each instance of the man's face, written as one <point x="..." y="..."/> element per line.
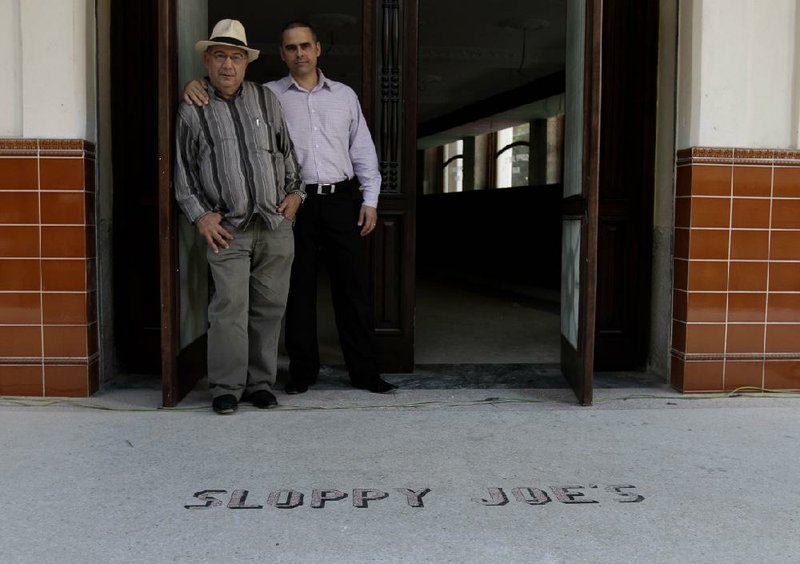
<point x="226" y="66"/>
<point x="299" y="51"/>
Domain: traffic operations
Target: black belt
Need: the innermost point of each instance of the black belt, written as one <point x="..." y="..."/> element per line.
<point x="325" y="189"/>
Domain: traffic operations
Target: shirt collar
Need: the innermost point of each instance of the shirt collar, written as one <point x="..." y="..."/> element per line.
<point x="323" y="82"/>
<point x="213" y="92"/>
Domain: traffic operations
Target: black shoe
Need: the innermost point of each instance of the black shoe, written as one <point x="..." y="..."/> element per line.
<point x="377" y="386"/>
<point x="225" y="405"/>
<point x="263" y="399"/>
<point x="293" y="387"/>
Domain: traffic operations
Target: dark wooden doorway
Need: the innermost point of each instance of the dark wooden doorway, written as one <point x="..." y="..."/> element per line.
<point x="389" y="97"/>
<point x="134" y="113"/>
<point x="627" y="172"/>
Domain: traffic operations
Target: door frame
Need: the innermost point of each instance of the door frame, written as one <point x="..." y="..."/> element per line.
<point x="578" y="365"/>
<point x="175" y="384"/>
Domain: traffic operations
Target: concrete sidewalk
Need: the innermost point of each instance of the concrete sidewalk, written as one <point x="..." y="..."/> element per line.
<point x="505" y="475"/>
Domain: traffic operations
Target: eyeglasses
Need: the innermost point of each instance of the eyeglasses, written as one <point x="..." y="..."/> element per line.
<point x="220" y="57"/>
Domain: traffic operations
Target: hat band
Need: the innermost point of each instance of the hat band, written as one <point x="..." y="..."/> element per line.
<point x="231" y="40"/>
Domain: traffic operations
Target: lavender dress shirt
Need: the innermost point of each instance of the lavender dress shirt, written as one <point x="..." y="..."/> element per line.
<point x="329" y="134"/>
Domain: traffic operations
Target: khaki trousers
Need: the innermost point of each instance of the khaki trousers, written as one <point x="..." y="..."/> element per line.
<point x="251" y="280"/>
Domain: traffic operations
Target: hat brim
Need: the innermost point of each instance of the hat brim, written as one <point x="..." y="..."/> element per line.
<point x="201" y="46"/>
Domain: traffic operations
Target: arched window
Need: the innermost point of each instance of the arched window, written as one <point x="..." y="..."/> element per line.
<point x="512" y="156"/>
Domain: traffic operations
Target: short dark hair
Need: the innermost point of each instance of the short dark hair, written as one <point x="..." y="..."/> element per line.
<point x="299" y="23"/>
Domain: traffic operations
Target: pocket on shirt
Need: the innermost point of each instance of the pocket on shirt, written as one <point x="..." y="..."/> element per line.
<point x="265" y="137"/>
<point x="337" y="120"/>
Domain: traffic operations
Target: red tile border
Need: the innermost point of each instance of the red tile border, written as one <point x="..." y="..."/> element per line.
<point x="782" y="374"/>
<point x="751" y="213"/>
<point x="749" y="307"/>
<point x="20" y="341"/>
<point x="709" y="244"/>
<point x="19" y="207"/>
<point x="706" y="307"/>
<point x="66" y="380"/>
<point x="746" y="339"/>
<point x="19" y="173"/>
<point x="749" y="245"/>
<point x="21" y="275"/>
<point x="709" y="276"/>
<point x="784" y="245"/>
<point x="710" y="212"/>
<point x="21" y="380"/>
<point x="784" y="277"/>
<point x="785" y="214"/>
<point x="703" y="376"/>
<point x="65" y="308"/>
<point x="743" y="373"/>
<point x="19" y="241"/>
<point x="69" y="341"/>
<point x="62" y="174"/>
<point x="786" y="182"/>
<point x="20" y="308"/>
<point x="705" y="338"/>
<point x="783" y="338"/>
<point x="783" y="308"/>
<point x="65" y="242"/>
<point x="64" y="208"/>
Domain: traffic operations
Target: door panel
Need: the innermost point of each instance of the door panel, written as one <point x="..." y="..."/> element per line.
<point x="579" y="207"/>
<point x="179" y="368"/>
<point x="630" y="62"/>
<point x="390" y="88"/>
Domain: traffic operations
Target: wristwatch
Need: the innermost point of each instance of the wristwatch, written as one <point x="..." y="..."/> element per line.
<point x="301" y="194"/>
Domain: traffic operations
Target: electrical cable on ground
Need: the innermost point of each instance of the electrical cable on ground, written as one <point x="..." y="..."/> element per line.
<point x="742" y="392"/>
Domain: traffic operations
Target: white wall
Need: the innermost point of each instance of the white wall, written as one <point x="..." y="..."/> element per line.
<point x="738" y="74"/>
<point x="11" y="69"/>
<point x="49" y="63"/>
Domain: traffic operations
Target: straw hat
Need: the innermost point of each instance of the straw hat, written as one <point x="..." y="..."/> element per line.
<point x="231" y="34"/>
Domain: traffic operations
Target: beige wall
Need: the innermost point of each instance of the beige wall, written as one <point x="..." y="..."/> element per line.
<point x="11" y="69"/>
<point x="738" y="65"/>
<point x="51" y="57"/>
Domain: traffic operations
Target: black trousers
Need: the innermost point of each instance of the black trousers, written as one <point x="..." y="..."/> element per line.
<point x="326" y="230"/>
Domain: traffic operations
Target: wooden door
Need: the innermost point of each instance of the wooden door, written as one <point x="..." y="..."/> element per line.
<point x="389" y="100"/>
<point x="580" y="203"/>
<point x="178" y="375"/>
<point x="627" y="173"/>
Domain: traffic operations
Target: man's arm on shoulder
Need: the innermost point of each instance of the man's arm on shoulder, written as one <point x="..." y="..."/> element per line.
<point x="195" y="92"/>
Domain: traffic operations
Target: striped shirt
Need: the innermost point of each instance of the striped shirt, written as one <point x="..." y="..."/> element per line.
<point x="235" y="157"/>
<point x="330" y="135"/>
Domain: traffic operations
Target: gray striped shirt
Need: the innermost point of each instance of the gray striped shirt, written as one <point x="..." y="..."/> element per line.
<point x="235" y="157"/>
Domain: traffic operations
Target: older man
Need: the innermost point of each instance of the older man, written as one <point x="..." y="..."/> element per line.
<point x="238" y="181"/>
<point x="340" y="168"/>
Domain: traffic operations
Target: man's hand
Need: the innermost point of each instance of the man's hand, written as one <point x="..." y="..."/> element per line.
<point x="367" y="219"/>
<point x="211" y="230"/>
<point x="288" y="207"/>
<point x="195" y="92"/>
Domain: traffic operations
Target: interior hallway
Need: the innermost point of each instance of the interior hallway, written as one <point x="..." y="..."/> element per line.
<point x="464" y="323"/>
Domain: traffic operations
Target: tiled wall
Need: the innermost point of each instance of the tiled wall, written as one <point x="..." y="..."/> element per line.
<point x="48" y="298"/>
<point x="736" y="308"/>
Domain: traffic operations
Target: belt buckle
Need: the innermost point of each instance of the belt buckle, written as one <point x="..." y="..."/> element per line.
<point x="321" y="189"/>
